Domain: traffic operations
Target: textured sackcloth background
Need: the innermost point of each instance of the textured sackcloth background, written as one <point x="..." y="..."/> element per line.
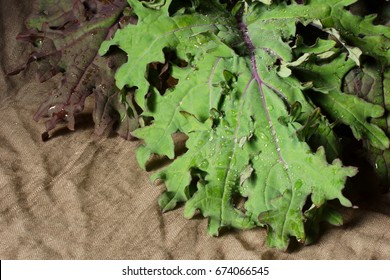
<point x="80" y="196"/>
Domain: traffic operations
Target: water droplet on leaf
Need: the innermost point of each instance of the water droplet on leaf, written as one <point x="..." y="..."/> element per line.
<point x="263" y="136"/>
<point x="204" y="164"/>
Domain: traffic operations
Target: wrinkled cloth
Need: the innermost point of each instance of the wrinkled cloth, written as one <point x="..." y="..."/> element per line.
<point x="83" y="196"/>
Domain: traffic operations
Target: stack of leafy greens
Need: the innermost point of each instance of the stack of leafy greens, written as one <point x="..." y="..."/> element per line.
<point x="263" y="90"/>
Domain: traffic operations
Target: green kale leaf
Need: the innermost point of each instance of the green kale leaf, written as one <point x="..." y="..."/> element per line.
<point x="236" y="99"/>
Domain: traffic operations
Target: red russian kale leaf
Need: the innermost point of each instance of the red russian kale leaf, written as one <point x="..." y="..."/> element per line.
<point x="66" y="36"/>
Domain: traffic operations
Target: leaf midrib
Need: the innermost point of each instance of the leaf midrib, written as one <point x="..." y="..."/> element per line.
<point x="256" y="76"/>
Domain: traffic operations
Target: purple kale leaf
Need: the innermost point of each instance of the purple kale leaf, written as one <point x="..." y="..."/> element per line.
<point x="371" y="83"/>
<point x="66" y="36"/>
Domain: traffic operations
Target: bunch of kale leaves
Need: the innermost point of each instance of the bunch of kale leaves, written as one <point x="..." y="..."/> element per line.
<point x="268" y="94"/>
